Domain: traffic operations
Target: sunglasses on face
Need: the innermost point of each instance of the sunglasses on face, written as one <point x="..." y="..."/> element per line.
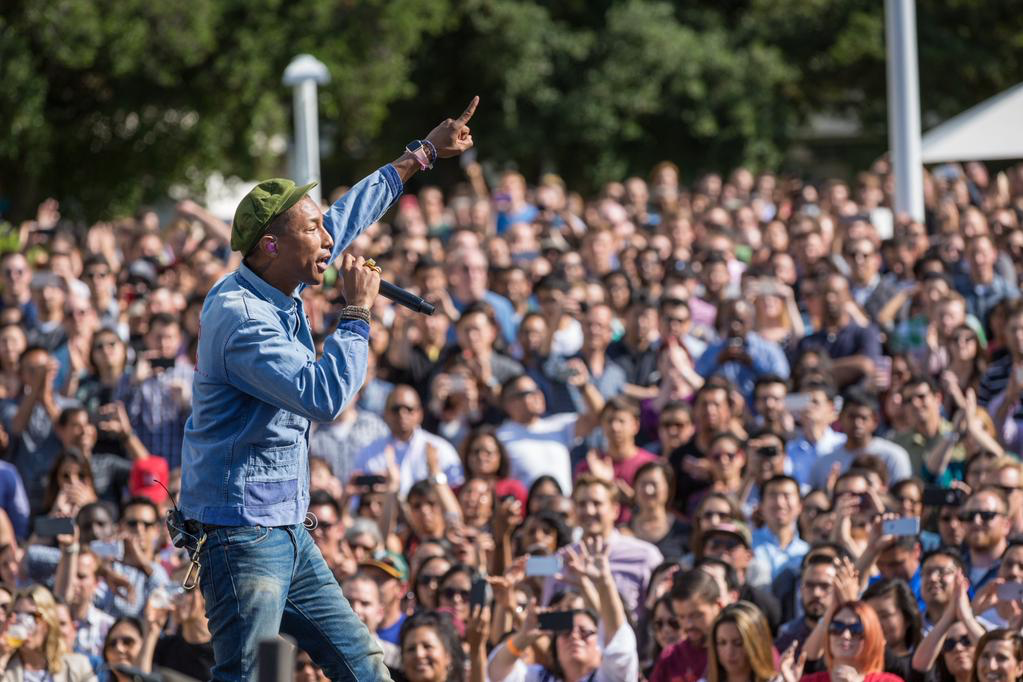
<point x="951" y="644"/>
<point x="856" y="255"/>
<point x="837" y="627"/>
<point x="713" y="515"/>
<point x="582" y="633"/>
<point x="671" y="623"/>
<point x="431" y="580"/>
<point x="453" y="593"/>
<point x="985" y="516"/>
<point x="395" y="409"/>
<point x="813" y="512"/>
<point x="139" y="523"/>
<point x="723" y="456"/>
<point x="363" y="548"/>
<point x="119" y="641"/>
<point x="725" y="544"/>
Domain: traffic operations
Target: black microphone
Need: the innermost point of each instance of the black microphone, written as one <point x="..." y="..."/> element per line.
<point x="405" y="298"/>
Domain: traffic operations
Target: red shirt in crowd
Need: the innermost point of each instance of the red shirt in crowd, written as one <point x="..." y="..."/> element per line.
<point x="825" y="676"/>
<point x="682" y="662"/>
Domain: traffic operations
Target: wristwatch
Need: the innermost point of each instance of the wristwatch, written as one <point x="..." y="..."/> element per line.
<point x="417" y="149"/>
<point x="439" y="479"/>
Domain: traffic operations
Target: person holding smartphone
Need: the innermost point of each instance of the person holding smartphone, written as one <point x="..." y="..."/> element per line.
<point x="742" y="356"/>
<point x="595" y="643"/>
<point x="159" y="403"/>
<point x="999" y="603"/>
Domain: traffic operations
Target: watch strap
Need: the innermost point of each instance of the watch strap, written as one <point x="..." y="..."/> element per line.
<point x="417" y="149"/>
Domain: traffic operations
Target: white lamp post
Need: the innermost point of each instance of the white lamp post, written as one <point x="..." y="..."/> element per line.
<point x="904" y="107"/>
<point x="304" y="74"/>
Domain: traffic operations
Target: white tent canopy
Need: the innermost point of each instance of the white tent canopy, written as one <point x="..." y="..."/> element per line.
<point x="991" y="130"/>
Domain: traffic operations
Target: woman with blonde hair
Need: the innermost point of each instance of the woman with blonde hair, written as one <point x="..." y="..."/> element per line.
<point x="740" y="646"/>
<point x="31" y="645"/>
<point x="776" y="316"/>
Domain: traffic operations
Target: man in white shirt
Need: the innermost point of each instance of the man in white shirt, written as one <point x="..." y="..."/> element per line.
<point x="538" y="445"/>
<point x="777" y="544"/>
<point x="815" y="437"/>
<point x="859" y="419"/>
<point x="404" y="417"/>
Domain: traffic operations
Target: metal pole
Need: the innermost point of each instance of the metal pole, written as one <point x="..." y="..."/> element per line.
<point x="276" y="661"/>
<point x="303" y="74"/>
<point x="904" y="107"/>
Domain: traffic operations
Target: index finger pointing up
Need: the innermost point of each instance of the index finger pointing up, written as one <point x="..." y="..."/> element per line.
<point x="469" y="111"/>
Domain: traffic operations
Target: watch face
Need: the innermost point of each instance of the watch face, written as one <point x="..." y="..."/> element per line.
<point x="414" y="145"/>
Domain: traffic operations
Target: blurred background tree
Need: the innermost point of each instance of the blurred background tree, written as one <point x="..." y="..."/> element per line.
<point x="109" y="102"/>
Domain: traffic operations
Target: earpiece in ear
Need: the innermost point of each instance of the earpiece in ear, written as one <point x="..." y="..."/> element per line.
<point x="271" y="247"/>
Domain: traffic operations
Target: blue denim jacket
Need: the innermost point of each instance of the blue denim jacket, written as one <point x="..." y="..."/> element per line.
<point x="258" y="384"/>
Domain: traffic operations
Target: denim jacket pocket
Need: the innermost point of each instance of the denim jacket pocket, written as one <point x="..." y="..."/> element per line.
<point x="272" y="475"/>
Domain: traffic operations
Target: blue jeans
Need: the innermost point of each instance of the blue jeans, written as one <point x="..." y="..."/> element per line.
<point x="260" y="581"/>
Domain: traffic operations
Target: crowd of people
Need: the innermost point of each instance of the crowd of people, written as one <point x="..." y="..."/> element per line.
<point x="754" y="428"/>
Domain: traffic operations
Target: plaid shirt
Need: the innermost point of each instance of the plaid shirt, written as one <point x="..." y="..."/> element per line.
<point x="340" y="442"/>
<point x="91" y="631"/>
<point x="158" y="420"/>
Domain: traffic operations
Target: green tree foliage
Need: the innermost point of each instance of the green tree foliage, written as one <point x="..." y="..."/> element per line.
<point x="596" y="90"/>
<point x="108" y="102"/>
<point x="968" y="50"/>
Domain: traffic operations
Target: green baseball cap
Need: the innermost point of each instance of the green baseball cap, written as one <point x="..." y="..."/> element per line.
<point x="259" y="207"/>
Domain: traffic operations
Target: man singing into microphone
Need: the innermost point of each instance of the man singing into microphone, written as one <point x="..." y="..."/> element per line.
<point x="257" y="387"/>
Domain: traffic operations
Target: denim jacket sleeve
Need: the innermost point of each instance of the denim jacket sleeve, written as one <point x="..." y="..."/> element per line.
<point x="361" y="206"/>
<point x="263" y="362"/>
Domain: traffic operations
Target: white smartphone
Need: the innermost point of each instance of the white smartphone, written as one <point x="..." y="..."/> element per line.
<point x="1010" y="592"/>
<point x="796" y="402"/>
<point x="543" y="566"/>
<point x="902" y="527"/>
<point x="113" y="549"/>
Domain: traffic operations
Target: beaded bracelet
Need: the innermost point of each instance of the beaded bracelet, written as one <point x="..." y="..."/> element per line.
<point x="433" y="152"/>
<point x="355" y="312"/>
